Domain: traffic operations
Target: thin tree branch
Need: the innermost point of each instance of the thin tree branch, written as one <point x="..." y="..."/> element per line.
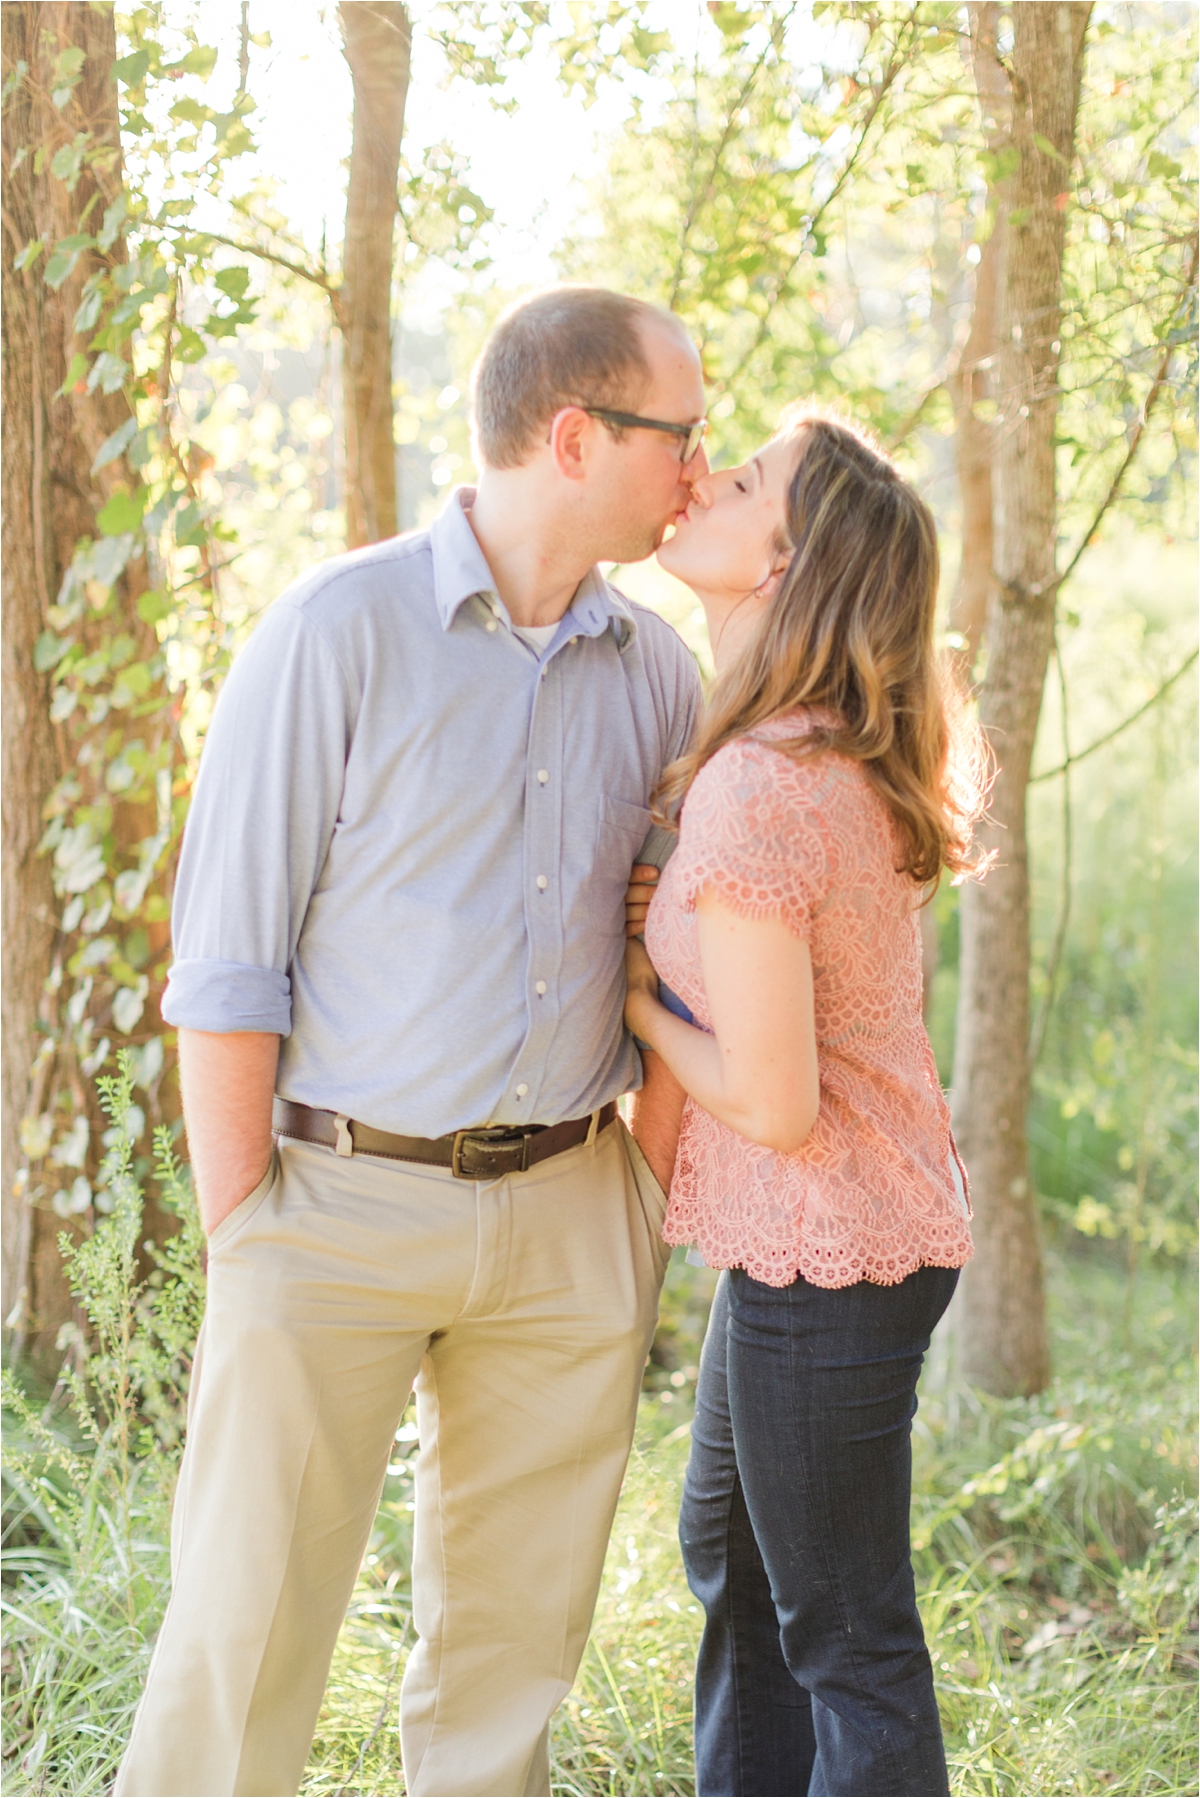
<point x="295" y="268"/>
<point x="702" y="191"/>
<point x="1073" y="760"/>
<point x="1135" y="439"/>
<point x="879" y="96"/>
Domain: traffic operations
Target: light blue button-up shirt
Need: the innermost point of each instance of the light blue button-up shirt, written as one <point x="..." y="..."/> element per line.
<point x="411" y="835"/>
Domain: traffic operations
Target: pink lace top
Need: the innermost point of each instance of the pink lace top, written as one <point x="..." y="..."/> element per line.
<point x="872" y="1194"/>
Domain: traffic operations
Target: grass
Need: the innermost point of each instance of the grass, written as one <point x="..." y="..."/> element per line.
<point x="1055" y="1553"/>
<point x="1055" y="1556"/>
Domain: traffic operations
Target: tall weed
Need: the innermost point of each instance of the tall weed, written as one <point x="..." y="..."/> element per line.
<point x="87" y="1482"/>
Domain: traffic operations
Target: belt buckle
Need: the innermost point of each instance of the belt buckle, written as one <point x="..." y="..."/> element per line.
<point x="493" y="1135"/>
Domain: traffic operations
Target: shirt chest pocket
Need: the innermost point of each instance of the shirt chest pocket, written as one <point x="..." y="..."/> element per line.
<point x="621" y="830"/>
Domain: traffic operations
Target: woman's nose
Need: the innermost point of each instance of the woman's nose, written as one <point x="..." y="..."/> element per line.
<point x="700" y="482"/>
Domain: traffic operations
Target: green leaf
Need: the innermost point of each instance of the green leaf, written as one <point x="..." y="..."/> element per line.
<point x="1048" y="149"/>
<point x="233" y="281"/>
<point x="998" y="166"/>
<point x="130" y="685"/>
<point x="192" y="112"/>
<point x="109" y="373"/>
<point x="24" y="258"/>
<point x="730" y="20"/>
<point x="15" y="78"/>
<point x="68" y="64"/>
<point x="233" y="136"/>
<point x="142" y="449"/>
<point x="191" y="532"/>
<point x="67" y="163"/>
<point x="66" y="254"/>
<point x="114" y="217"/>
<point x="1163" y="168"/>
<point x="200" y="61"/>
<point x="74" y="374"/>
<point x="49" y="651"/>
<point x="114" y="446"/>
<point x="90" y="306"/>
<point x="189" y="345"/>
<point x="122" y="513"/>
<point x="107" y="558"/>
<point x="153" y="605"/>
<point x="132" y="68"/>
<point x="58" y="269"/>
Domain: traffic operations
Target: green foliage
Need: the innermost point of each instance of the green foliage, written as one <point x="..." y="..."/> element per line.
<point x="87" y="1480"/>
<point x="784" y="153"/>
<point x="1113" y="1127"/>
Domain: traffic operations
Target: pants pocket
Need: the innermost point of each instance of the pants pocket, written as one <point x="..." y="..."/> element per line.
<point x="651" y="1196"/>
<point x="230" y="1226"/>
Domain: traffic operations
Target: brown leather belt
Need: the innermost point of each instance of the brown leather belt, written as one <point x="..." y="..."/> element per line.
<point x="484" y="1154"/>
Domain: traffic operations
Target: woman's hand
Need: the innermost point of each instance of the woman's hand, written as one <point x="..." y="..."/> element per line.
<point x="756" y="1069"/>
<point x="638" y="895"/>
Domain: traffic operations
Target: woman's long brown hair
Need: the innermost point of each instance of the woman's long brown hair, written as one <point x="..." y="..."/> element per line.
<point x="851" y="631"/>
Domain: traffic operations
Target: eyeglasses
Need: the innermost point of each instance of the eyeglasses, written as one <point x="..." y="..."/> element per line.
<point x="692" y="435"/>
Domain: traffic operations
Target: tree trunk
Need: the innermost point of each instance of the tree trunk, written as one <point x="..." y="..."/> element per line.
<point x="377" y="38"/>
<point x="50" y="502"/>
<point x="972" y="386"/>
<point x="1003" y="1310"/>
<point x="31" y="762"/>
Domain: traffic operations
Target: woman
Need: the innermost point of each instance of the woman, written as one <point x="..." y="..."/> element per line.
<point x="827" y="792"/>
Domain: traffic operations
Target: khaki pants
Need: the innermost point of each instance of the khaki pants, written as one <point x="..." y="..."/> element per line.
<point x="524" y="1310"/>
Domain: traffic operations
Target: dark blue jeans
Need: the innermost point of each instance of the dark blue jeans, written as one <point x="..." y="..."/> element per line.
<point x="813" y="1675"/>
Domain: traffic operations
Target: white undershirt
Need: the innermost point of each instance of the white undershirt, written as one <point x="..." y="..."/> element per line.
<point x="537" y="636"/>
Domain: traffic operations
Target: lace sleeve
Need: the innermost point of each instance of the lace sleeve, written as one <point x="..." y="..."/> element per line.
<point x="752" y="833"/>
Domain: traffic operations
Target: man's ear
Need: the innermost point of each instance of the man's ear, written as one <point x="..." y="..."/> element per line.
<point x="570" y="431"/>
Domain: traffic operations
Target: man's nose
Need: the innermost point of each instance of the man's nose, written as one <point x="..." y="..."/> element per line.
<point x="697" y="468"/>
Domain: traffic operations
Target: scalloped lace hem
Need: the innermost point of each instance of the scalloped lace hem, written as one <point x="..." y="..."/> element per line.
<point x="887" y="1270"/>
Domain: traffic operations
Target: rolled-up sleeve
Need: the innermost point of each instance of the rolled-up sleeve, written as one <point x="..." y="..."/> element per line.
<point x="258" y="832"/>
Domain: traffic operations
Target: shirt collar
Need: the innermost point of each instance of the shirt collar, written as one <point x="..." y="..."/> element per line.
<point x="460" y="571"/>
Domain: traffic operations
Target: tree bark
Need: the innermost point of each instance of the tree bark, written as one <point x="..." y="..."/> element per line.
<point x="1003" y="1310"/>
<point x="50" y="502"/>
<point x="31" y="762"/>
<point x="972" y="386"/>
<point x="377" y="37"/>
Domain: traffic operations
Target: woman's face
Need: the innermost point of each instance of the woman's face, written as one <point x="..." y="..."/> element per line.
<point x="725" y="545"/>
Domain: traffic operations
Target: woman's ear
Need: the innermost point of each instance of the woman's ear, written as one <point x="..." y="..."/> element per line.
<point x="766" y="590"/>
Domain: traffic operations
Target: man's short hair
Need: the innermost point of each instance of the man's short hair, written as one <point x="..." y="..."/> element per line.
<point x="569" y="346"/>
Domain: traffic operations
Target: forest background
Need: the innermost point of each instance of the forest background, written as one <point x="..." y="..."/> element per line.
<point x="250" y="253"/>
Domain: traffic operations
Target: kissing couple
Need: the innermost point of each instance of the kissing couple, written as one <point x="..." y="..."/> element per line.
<point x="407" y="1006"/>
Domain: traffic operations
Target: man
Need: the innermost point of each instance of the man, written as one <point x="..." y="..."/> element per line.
<point x="400" y="908"/>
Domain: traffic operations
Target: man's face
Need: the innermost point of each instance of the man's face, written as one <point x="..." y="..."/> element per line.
<point x="641" y="485"/>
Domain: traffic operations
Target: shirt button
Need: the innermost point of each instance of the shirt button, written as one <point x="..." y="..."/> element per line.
<point x="492" y="625"/>
<point x="540" y="987"/>
<point x="543" y="775"/>
<point x="572" y="639"/>
<point x="543" y="883"/>
<point x="522" y="1090"/>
